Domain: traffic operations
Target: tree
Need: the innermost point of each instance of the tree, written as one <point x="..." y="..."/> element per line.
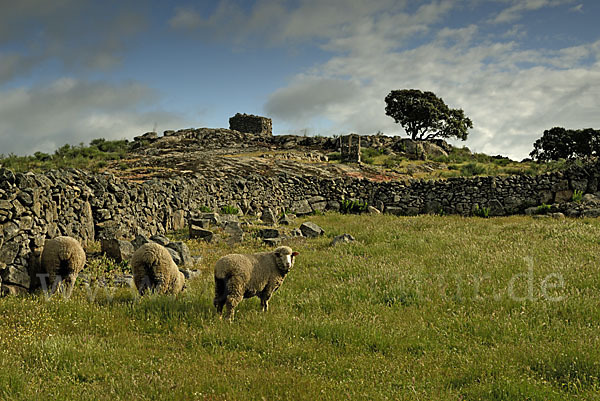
<point x="560" y="143"/>
<point x="425" y="116"/>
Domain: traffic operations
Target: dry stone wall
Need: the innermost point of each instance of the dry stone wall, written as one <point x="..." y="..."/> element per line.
<point x="90" y="206"/>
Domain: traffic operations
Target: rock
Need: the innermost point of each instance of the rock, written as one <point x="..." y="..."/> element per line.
<point x="189" y="274"/>
<point x="311" y="230"/>
<point x="269" y="233"/>
<point x="175" y="256"/>
<point x="139" y="240"/>
<point x="590" y="198"/>
<point x="16" y="276"/>
<point x="395" y="210"/>
<point x="124" y="281"/>
<point x="268" y="217"/>
<point x="200" y="233"/>
<point x="8" y="252"/>
<point x="343" y="238"/>
<point x="183" y="252"/>
<point x="296" y="232"/>
<point x="273" y="241"/>
<point x="235" y="232"/>
<point x="119" y="250"/>
<point x="202" y="223"/>
<point x="160" y="239"/>
<point x="286" y="219"/>
<point x="591" y="213"/>
<point x="301" y="207"/>
<point x="558" y="215"/>
<point x="373" y="210"/>
<point x="563" y="196"/>
<point x="530" y="211"/>
<point x="12" y="290"/>
<point x="213" y="218"/>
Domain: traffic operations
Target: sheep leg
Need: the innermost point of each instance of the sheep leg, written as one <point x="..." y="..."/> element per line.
<point x="220" y="294"/>
<point x="230" y="304"/>
<point x="265" y="296"/>
<point x="265" y="304"/>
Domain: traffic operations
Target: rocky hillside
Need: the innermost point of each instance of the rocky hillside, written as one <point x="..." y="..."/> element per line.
<point x="227" y="153"/>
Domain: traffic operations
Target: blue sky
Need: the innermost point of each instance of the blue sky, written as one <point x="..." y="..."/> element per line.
<point x="75" y="70"/>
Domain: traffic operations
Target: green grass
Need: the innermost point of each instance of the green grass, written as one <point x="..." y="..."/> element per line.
<point x="93" y="157"/>
<point x="428" y="307"/>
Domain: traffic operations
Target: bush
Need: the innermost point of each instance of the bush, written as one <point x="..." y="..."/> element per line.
<point x="481" y="212"/>
<point x="577" y="196"/>
<point x="472" y="169"/>
<point x="543" y="208"/>
<point x="352" y="206"/>
<point x="229" y="210"/>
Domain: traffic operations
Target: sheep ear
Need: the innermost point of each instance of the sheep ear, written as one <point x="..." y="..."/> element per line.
<point x="294" y="254"/>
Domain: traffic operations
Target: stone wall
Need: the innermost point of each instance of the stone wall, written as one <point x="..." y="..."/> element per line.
<point x="88" y="206"/>
<point x="251" y="124"/>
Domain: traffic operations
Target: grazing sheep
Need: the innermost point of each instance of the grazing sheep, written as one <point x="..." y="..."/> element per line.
<point x="63" y="258"/>
<point x="154" y="269"/>
<point x="246" y="276"/>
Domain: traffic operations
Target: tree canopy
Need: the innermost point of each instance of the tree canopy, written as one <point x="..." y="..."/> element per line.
<point x="425" y="116"/>
<point x="561" y="143"/>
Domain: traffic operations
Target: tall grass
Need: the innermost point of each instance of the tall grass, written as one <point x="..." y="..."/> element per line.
<point x="428" y="307"/>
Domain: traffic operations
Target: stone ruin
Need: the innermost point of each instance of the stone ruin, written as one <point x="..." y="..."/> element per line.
<point x="350" y="148"/>
<point x="251" y="124"/>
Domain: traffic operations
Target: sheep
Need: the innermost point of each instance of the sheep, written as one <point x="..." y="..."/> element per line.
<point x="245" y="276"/>
<point x="154" y="269"/>
<point x="63" y="258"/>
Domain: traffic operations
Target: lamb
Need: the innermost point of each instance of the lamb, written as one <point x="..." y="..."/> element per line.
<point x="245" y="276"/>
<point x="63" y="258"/>
<point x="154" y="269"/>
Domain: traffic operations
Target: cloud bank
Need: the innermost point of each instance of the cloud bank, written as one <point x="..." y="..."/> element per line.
<point x="43" y="118"/>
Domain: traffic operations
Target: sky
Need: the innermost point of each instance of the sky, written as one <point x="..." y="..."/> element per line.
<point x="75" y="70"/>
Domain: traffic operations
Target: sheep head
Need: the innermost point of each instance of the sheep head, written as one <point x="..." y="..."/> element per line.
<point x="285" y="258"/>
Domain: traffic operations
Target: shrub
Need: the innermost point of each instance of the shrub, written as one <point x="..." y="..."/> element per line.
<point x="472" y="169"/>
<point x="205" y="209"/>
<point x="577" y="196"/>
<point x="543" y="208"/>
<point x="229" y="210"/>
<point x="334" y="156"/>
<point x="481" y="211"/>
<point x="352" y="206"/>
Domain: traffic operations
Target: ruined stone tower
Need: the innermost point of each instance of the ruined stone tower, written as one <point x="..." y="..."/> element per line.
<point x="252" y="124"/>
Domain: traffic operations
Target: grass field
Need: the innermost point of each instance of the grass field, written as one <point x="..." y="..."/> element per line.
<point x="418" y="308"/>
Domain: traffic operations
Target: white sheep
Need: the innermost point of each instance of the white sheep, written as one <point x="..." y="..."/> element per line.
<point x="63" y="258"/>
<point x="154" y="269"/>
<point x="245" y="276"/>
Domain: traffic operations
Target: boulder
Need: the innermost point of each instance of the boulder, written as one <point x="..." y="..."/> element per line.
<point x="343" y="238"/>
<point x="160" y="239"/>
<point x="301" y="207"/>
<point x="117" y="249"/>
<point x="268" y="217"/>
<point x="311" y="230"/>
<point x="269" y="233"/>
<point x="200" y="233"/>
<point x="183" y="252"/>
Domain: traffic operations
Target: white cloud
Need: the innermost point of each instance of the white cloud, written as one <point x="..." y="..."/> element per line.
<point x="519" y="7"/>
<point x="577" y="9"/>
<point x="70" y="111"/>
<point x="512" y="95"/>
